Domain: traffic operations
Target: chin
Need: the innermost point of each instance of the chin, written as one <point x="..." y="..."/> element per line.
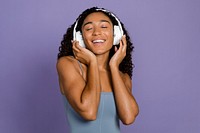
<point x="101" y="48"/>
<point x="100" y="52"/>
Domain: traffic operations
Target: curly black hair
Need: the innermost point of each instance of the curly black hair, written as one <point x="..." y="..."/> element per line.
<point x="126" y="66"/>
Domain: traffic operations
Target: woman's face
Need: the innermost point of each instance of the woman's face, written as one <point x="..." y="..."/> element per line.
<point x="97" y="31"/>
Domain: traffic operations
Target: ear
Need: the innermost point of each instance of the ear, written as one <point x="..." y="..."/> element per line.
<point x="117" y="35"/>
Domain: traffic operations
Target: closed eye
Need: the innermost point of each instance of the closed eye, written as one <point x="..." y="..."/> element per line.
<point x="87" y="29"/>
<point x="104" y="27"/>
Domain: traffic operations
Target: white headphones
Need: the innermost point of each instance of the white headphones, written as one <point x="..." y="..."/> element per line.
<point x="118" y="31"/>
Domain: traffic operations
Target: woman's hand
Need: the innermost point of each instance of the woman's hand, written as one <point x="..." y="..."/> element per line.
<point x="119" y="53"/>
<point x="82" y="54"/>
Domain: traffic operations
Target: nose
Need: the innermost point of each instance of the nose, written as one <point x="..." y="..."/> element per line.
<point x="97" y="31"/>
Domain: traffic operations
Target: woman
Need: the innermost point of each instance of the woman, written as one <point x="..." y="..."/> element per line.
<point x="95" y="73"/>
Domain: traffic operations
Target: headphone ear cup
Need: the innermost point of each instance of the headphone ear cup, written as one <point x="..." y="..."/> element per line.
<point x="79" y="38"/>
<point x="117" y="35"/>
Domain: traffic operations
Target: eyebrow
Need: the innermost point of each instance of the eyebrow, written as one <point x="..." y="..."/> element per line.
<point x="100" y="21"/>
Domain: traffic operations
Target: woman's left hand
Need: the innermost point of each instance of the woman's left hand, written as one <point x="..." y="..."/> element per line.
<point x="119" y="53"/>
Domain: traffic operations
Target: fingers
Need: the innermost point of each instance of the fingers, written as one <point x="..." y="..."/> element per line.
<point x="115" y="48"/>
<point x="123" y="44"/>
<point x="75" y="48"/>
<point x="75" y="45"/>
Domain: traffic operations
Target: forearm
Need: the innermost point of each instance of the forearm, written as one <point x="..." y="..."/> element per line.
<point x="126" y="105"/>
<point x="91" y="93"/>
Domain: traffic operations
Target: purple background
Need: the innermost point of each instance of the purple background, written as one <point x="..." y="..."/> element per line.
<point x="166" y="80"/>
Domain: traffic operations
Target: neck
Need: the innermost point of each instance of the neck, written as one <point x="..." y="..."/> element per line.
<point x="103" y="62"/>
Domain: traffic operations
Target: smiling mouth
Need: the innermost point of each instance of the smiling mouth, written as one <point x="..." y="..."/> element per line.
<point x="98" y="41"/>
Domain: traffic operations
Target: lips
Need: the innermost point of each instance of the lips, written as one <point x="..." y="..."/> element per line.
<point x="98" y="41"/>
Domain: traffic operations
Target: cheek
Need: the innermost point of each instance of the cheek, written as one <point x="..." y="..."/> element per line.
<point x="85" y="36"/>
<point x="110" y="35"/>
<point x="86" y="39"/>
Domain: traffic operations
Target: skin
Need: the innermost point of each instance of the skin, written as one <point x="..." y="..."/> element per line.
<point x="83" y="90"/>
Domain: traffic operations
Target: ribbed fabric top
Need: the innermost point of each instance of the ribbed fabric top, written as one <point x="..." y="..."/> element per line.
<point x="107" y="120"/>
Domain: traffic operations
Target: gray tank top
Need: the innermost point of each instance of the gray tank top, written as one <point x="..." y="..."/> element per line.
<point x="107" y="120"/>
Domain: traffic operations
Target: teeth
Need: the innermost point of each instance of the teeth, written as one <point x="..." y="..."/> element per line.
<point x="98" y="41"/>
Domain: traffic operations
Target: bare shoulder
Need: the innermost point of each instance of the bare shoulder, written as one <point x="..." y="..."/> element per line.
<point x="67" y="63"/>
<point x="127" y="80"/>
<point x="125" y="76"/>
<point x="65" y="60"/>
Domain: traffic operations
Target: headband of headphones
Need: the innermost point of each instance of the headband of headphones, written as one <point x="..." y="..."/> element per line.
<point x="118" y="31"/>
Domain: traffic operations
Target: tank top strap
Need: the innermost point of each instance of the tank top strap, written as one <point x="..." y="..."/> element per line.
<point x="80" y="67"/>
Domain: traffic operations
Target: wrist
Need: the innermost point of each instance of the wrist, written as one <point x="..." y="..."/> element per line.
<point x="114" y="67"/>
<point x="113" y="64"/>
<point x="92" y="61"/>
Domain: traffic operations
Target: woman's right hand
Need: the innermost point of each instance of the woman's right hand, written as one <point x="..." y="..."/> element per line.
<point x="84" y="55"/>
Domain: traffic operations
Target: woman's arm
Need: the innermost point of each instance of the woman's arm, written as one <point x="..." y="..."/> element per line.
<point x="122" y="86"/>
<point x="82" y="95"/>
<point x="126" y="104"/>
